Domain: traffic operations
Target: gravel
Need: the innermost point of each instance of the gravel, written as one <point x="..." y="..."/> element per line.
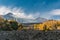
<point x="29" y="35"/>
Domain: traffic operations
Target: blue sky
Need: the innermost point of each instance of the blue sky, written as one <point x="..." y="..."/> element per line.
<point x="43" y="8"/>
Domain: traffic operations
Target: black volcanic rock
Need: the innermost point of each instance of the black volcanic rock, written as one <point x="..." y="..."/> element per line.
<point x="30" y="35"/>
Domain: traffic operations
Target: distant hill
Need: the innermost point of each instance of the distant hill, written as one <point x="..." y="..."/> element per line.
<point x="10" y="16"/>
<point x="40" y="19"/>
<point x="55" y="17"/>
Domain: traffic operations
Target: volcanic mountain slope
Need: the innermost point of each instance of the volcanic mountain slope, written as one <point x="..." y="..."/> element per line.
<point x="8" y="16"/>
<point x="11" y="16"/>
<point x="39" y="19"/>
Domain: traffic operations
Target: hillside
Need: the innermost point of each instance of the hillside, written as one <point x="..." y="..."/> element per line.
<point x="48" y="25"/>
<point x="8" y="25"/>
<point x="1" y="19"/>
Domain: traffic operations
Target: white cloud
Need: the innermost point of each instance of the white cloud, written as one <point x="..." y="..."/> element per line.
<point x="18" y="12"/>
<point x="4" y="10"/>
<point x="51" y="13"/>
<point x="55" y="12"/>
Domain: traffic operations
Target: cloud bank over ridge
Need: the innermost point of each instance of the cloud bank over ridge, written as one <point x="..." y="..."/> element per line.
<point x="18" y="12"/>
<point x="54" y="14"/>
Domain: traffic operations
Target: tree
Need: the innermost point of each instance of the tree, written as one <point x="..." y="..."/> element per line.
<point x="14" y="25"/>
<point x="20" y="27"/>
<point x="45" y="28"/>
